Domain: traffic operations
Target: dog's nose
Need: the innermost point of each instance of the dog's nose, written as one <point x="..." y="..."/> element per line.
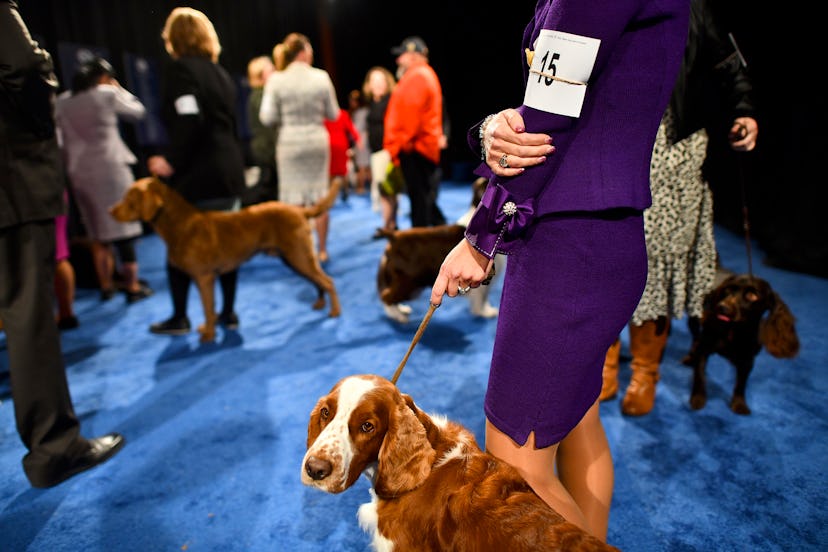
<point x="724" y="308"/>
<point x="317" y="469"/>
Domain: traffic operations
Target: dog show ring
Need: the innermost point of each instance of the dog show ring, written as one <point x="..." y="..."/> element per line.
<point x="504" y="162"/>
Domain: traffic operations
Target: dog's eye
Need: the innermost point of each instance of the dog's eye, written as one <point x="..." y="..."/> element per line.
<point x="752" y="296"/>
<point x="366" y="427"/>
<point x="325" y="413"/>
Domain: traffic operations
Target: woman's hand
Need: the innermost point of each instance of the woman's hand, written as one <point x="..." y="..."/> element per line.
<point x="509" y="148"/>
<point x="158" y="166"/>
<point x="743" y="133"/>
<point x="463" y="268"/>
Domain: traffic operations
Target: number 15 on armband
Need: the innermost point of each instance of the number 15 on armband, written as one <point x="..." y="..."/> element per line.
<point x="559" y="70"/>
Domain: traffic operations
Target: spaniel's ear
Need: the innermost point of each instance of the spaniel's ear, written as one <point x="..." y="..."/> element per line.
<point x="315" y="422"/>
<point x="406" y="456"/>
<point x="778" y="331"/>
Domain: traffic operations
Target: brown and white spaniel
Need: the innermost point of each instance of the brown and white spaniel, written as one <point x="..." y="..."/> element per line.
<point x="433" y="488"/>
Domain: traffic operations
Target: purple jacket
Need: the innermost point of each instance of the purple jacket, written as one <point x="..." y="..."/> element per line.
<point x="602" y="158"/>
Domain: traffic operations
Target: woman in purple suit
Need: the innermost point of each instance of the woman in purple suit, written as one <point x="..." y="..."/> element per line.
<point x="569" y="181"/>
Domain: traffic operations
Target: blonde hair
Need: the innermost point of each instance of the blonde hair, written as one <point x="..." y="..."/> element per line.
<point x="279" y="56"/>
<point x="293" y="44"/>
<point x="389" y="79"/>
<point x="256" y="70"/>
<point x="188" y="32"/>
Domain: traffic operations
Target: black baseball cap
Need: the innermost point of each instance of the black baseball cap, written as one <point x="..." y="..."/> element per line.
<point x="411" y="44"/>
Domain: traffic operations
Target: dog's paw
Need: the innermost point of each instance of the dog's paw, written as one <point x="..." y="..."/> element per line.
<point x="697" y="402"/>
<point x="398" y="312"/>
<point x="739" y="406"/>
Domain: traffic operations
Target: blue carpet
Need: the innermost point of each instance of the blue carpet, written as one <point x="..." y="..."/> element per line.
<point x="215" y="433"/>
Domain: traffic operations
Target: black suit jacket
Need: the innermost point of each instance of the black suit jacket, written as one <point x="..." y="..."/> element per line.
<point x="199" y="111"/>
<point x="711" y="76"/>
<point x="31" y="177"/>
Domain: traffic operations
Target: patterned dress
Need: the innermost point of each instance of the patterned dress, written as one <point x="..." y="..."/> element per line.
<point x="679" y="227"/>
<point x="297" y="101"/>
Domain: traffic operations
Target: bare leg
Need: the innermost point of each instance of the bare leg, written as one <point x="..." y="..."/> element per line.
<point x="104" y="264"/>
<point x="585" y="469"/>
<point x="537" y="466"/>
<point x="65" y="288"/>
<point x="130" y="273"/>
<point x="388" y="206"/>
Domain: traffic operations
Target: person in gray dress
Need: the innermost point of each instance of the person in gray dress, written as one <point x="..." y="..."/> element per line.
<point x="98" y="164"/>
<point x="297" y="101"/>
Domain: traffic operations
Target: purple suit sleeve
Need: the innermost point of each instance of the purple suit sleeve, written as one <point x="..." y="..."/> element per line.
<point x="509" y="204"/>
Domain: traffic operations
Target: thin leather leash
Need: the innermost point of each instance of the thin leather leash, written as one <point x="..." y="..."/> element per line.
<point x="745" y="221"/>
<point x="431" y="308"/>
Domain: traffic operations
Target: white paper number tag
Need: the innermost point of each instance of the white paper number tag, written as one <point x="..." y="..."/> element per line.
<point x="186" y="105"/>
<point x="560" y="69"/>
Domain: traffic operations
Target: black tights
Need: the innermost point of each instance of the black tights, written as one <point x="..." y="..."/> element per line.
<point x="180" y="289"/>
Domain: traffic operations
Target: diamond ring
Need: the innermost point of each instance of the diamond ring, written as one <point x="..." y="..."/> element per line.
<point x="504" y="162"/>
<point x="463" y="290"/>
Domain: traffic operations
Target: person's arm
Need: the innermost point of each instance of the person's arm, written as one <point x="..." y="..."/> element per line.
<point x="331" y="103"/>
<point x="268" y="110"/>
<point x="733" y="77"/>
<point x="27" y="80"/>
<point x="402" y="118"/>
<point x="350" y="129"/>
<point x="127" y="105"/>
<point x="508" y="206"/>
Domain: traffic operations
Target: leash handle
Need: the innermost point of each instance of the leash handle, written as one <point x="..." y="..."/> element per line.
<point x="431" y="308"/>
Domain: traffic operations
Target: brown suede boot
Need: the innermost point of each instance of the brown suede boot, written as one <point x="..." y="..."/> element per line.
<point x="647" y="343"/>
<point x="609" y="387"/>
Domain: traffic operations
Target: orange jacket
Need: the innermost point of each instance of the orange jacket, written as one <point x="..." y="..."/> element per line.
<point x="414" y="120"/>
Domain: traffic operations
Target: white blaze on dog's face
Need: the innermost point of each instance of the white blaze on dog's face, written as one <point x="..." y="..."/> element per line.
<point x="344" y="436"/>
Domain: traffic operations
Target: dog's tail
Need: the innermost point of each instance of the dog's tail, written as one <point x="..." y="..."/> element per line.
<point x="326" y="202"/>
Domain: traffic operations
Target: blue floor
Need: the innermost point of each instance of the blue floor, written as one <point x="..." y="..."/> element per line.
<point x="216" y="432"/>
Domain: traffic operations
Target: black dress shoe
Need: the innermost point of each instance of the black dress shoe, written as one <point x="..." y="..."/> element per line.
<point x="68" y="323"/>
<point x="229" y="321"/>
<point x="142" y="293"/>
<point x="172" y="326"/>
<point x="100" y="450"/>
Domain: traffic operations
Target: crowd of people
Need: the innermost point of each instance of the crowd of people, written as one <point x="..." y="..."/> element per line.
<point x="76" y="164"/>
<point x="561" y="194"/>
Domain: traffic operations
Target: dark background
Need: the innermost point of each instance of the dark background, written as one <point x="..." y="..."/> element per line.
<point x="475" y="51"/>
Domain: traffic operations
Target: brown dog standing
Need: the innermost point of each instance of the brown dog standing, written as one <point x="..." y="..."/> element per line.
<point x="741" y="315"/>
<point x="205" y="244"/>
<point x="412" y="259"/>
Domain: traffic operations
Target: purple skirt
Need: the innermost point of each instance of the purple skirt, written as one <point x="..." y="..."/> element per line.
<point x="569" y="290"/>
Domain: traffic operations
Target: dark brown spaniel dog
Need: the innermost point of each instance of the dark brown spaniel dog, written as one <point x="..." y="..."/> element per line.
<point x="741" y="315"/>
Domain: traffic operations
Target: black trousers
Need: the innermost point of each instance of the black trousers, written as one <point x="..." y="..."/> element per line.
<point x="422" y="181"/>
<point x="46" y="420"/>
<point x="180" y="281"/>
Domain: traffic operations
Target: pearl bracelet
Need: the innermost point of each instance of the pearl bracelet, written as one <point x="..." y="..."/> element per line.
<point x="481" y="133"/>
